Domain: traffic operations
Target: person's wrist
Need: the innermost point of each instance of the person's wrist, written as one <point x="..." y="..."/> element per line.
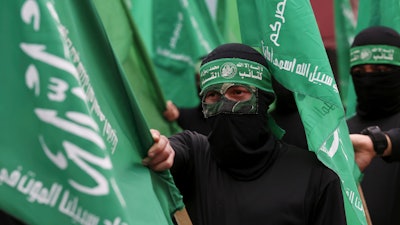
<point x="379" y="139"/>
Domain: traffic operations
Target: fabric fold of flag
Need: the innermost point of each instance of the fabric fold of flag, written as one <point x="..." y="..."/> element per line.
<point x="73" y="135"/>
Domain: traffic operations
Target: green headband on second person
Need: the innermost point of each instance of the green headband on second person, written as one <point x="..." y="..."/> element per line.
<point x="235" y="70"/>
<point x="374" y="54"/>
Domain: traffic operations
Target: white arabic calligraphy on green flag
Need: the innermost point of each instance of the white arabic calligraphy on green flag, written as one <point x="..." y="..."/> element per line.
<point x="287" y="34"/>
<point x="72" y="136"/>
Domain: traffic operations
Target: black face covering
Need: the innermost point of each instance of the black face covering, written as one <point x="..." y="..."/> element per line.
<point x="239" y="143"/>
<point x="378" y="94"/>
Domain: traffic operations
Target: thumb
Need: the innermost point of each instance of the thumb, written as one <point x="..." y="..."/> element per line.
<point x="155" y="134"/>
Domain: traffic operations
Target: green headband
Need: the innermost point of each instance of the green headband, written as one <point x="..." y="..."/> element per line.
<point x="235" y="70"/>
<point x="375" y="54"/>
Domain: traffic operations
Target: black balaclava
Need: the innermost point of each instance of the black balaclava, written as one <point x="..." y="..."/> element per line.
<point x="242" y="143"/>
<point x="378" y="93"/>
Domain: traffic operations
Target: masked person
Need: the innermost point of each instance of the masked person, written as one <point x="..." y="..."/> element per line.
<point x="241" y="173"/>
<point x="375" y="69"/>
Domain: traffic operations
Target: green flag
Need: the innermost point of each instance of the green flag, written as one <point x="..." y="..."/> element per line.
<point x="382" y="13"/>
<point x="177" y="33"/>
<point x="287" y="34"/>
<point x="228" y="21"/>
<point x="345" y="26"/>
<point x="139" y="69"/>
<point x="72" y="135"/>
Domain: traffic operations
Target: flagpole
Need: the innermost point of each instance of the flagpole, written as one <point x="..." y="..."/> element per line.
<point x="367" y="216"/>
<point x="182" y="217"/>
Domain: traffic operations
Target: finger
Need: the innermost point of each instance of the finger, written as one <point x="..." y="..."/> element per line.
<point x="146" y="161"/>
<point x="155" y="134"/>
<point x="161" y="161"/>
<point x="161" y="156"/>
<point x="170" y="104"/>
<point x="169" y="116"/>
<point x="171" y="113"/>
<point x="164" y="165"/>
<point x="158" y="147"/>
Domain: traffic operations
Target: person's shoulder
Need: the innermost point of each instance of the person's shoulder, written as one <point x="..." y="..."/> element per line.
<point x="305" y="160"/>
<point x="188" y="110"/>
<point x="291" y="150"/>
<point x="300" y="156"/>
<point x="304" y="164"/>
<point x="188" y="134"/>
<point x="188" y="137"/>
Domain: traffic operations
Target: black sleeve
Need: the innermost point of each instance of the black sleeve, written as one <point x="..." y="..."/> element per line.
<point x="181" y="143"/>
<point x="394" y="135"/>
<point x="186" y="145"/>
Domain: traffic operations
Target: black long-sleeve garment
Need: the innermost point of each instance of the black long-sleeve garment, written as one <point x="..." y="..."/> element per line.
<point x="296" y="189"/>
<point x="381" y="180"/>
<point x="394" y="135"/>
